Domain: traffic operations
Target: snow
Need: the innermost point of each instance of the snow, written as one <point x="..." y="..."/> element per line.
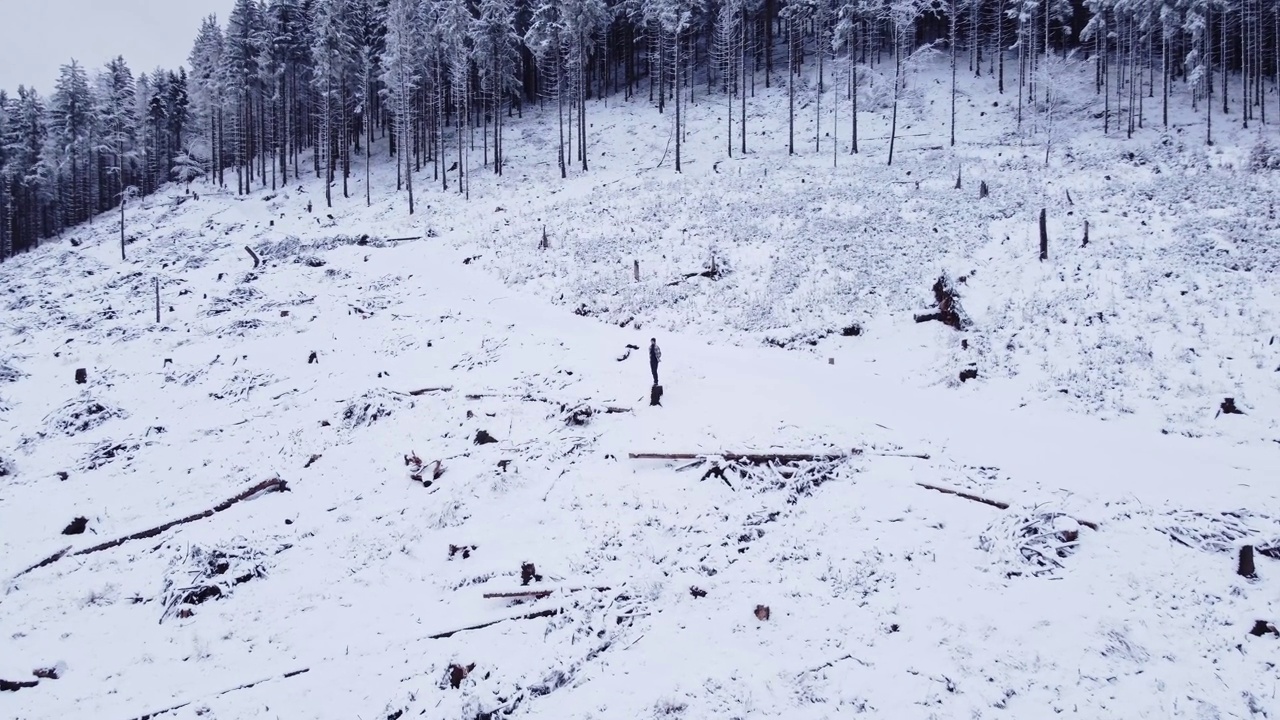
<point x="1101" y="372"/>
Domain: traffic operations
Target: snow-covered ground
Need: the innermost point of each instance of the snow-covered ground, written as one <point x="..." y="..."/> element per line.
<point x="1101" y="374"/>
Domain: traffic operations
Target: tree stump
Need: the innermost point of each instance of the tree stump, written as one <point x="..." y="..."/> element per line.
<point x="655" y="396"/>
<point x="484" y="438"/>
<point x="1245" y="568"/>
<point x="762" y="612"/>
<point x="76" y="527"/>
<point x="313" y="358"/>
<point x="1044" y="235"/>
<point x="982" y="190"/>
<point x="1229" y="407"/>
<point x="82" y="376"/>
<point x="1085" y="242"/>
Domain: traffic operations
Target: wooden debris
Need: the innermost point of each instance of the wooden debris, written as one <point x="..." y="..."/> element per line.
<point x="463" y="550"/>
<point x="311" y="460"/>
<point x="424" y="391"/>
<point x="484" y="438"/>
<point x="762" y="612"/>
<point x="266" y="486"/>
<point x="947" y="300"/>
<point x="254" y="255"/>
<point x="697" y="592"/>
<point x="82" y="376"/>
<point x="539" y="594"/>
<point x="531" y="616"/>
<point x="967" y="496"/>
<point x="313" y="358"/>
<point x="763" y="458"/>
<point x="1229" y="407"/>
<point x="16" y="685"/>
<point x="246" y="686"/>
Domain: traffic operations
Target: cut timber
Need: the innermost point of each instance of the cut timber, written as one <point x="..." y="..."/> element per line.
<point x="266" y="486"/>
<point x="481" y="626"/>
<point x="254" y="255"/>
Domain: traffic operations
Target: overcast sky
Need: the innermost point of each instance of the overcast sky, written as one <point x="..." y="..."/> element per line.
<point x="39" y="36"/>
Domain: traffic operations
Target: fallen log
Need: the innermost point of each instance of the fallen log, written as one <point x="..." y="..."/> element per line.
<point x="539" y="594"/>
<point x="254" y="255"/>
<point x="762" y="458"/>
<point x="531" y="616"/>
<point x="266" y="486"/>
<point x="245" y="686"/>
<point x="424" y="391"/>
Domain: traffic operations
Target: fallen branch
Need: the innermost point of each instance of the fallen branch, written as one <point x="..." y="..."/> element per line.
<point x="266" y="486"/>
<point x="245" y="686"/>
<point x="988" y="501"/>
<point x="481" y="626"/>
<point x="403" y="239"/>
<point x="967" y="496"/>
<point x="831" y="663"/>
<point x="254" y="255"/>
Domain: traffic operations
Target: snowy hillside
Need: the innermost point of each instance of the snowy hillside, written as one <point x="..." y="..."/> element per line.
<point x="854" y="582"/>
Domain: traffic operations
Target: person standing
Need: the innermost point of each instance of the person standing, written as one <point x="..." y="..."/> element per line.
<point x="655" y="356"/>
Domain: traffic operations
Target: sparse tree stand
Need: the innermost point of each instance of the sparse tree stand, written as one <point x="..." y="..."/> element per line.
<point x="1044" y="236"/>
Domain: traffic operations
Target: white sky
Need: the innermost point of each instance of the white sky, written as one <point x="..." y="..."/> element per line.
<point x="37" y="37"/>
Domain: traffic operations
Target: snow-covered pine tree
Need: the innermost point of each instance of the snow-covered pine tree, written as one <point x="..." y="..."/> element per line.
<point x="497" y="50"/>
<point x="71" y="119"/>
<point x="400" y="81"/>
<point x="240" y="67"/>
<point x="207" y="91"/>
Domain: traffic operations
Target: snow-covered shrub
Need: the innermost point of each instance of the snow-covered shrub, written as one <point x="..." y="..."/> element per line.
<point x="1034" y="541"/>
<point x="80" y="415"/>
<point x="373" y="406"/>
<point x="10" y="373"/>
<point x="203" y="574"/>
<point x="1264" y="156"/>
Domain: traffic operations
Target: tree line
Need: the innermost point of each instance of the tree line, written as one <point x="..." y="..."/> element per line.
<point x="288" y="87"/>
